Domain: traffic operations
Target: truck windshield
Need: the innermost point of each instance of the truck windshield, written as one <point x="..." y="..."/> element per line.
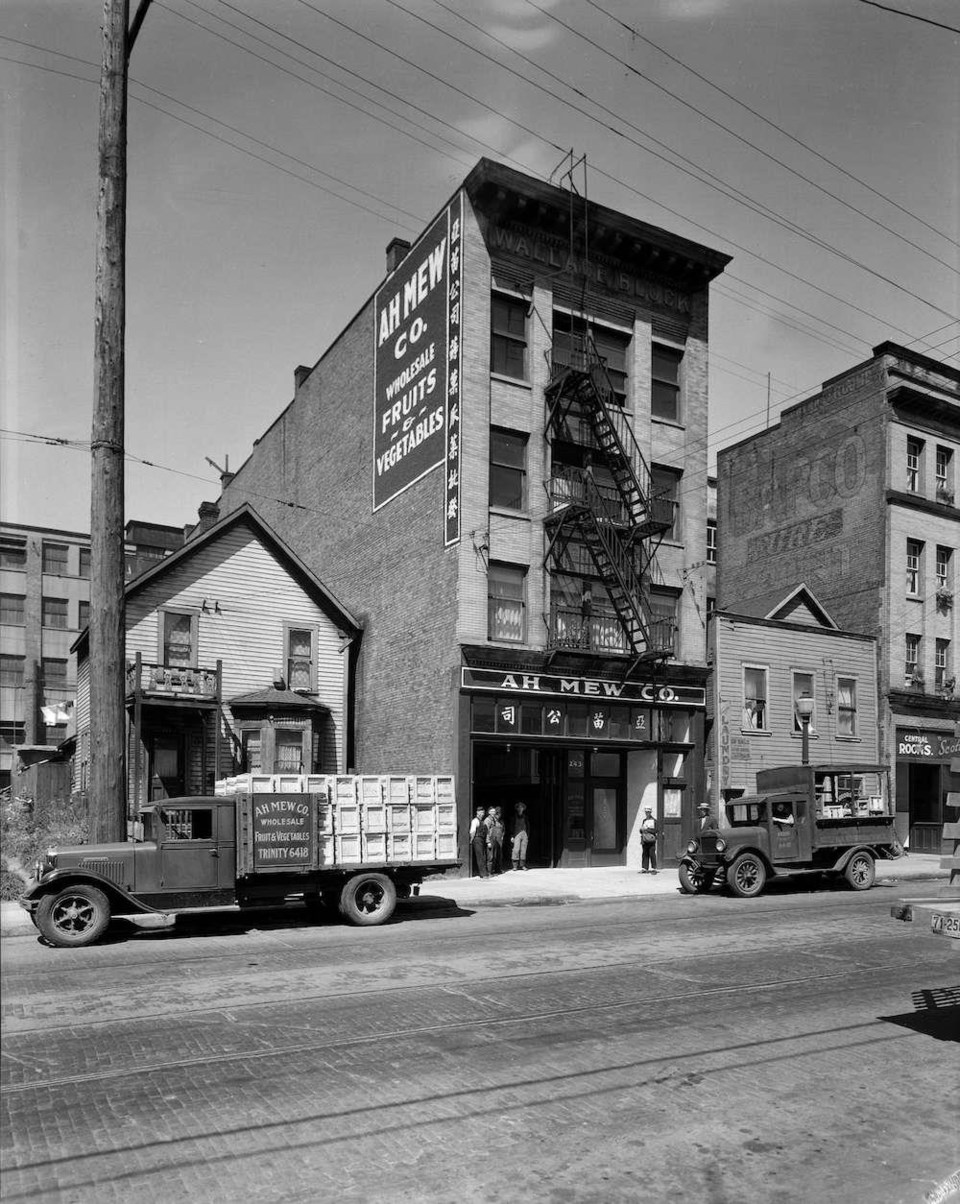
<point x="746" y="815"/>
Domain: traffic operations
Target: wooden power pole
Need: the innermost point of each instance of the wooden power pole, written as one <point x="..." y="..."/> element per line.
<point x="108" y="793"/>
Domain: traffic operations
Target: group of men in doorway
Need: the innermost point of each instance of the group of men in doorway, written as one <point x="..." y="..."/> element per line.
<point x="488" y="835"/>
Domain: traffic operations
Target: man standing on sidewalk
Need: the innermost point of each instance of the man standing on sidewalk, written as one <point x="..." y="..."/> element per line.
<point x="521" y="836"/>
<point x="478" y="841"/>
<point x="648" y="842"/>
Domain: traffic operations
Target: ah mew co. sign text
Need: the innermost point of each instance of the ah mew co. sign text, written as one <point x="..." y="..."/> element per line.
<point x="583" y="687"/>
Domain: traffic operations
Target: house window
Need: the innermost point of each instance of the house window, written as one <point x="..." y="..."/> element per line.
<point x="914" y="464"/>
<point x="508" y="472"/>
<point x="506" y="587"/>
<point x="711" y="541"/>
<point x="941" y="664"/>
<point x="944" y="556"/>
<point x="663" y="607"/>
<point x="252" y="755"/>
<point x="85" y="562"/>
<point x="288" y="748"/>
<point x="83" y="613"/>
<point x="911" y="667"/>
<point x="846" y="706"/>
<point x="54" y="673"/>
<point x="179" y="633"/>
<point x="803" y="684"/>
<point x="55" y="558"/>
<point x="53" y="612"/>
<point x="665" y="484"/>
<point x="12" y="609"/>
<point x="665" y="390"/>
<point x="508" y="336"/>
<point x="572" y="334"/>
<point x="945" y="474"/>
<point x="754" y="698"/>
<point x="300" y="658"/>
<point x="11" y="671"/>
<point x="914" y="566"/>
<point x="13" y="553"/>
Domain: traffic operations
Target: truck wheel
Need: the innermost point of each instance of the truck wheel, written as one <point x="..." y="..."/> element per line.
<point x="694" y="879"/>
<point x="77" y="915"/>
<point x="747" y="876"/>
<point x="861" y="871"/>
<point x="368" y="899"/>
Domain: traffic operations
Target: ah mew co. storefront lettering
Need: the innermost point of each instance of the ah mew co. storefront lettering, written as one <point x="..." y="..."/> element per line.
<point x="586" y="755"/>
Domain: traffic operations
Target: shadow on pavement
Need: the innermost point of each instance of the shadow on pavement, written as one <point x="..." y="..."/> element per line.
<point x="936" y="1014"/>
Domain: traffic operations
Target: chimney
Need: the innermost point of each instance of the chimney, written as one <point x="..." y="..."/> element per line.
<point x="209" y="513"/>
<point x="300" y="374"/>
<point x="397" y="249"/>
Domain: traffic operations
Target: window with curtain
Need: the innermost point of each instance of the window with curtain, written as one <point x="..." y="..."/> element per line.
<point x="944" y="556"/>
<point x="846" y="706"/>
<point x="12" y="609"/>
<point x="252" y="755"/>
<point x="914" y="464"/>
<point x="803" y="684"/>
<point x="755" y="698"/>
<point x="179" y="639"/>
<point x="55" y="558"/>
<point x="911" y="665"/>
<point x="53" y="612"/>
<point x="11" y="670"/>
<point x="941" y="664"/>
<point x="944" y="471"/>
<point x="505" y="603"/>
<point x="299" y="658"/>
<point x="54" y="671"/>
<point x="289" y="751"/>
<point x="914" y="566"/>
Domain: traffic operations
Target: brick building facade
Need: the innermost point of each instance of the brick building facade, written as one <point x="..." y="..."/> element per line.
<point x="853" y="493"/>
<point x="500" y="466"/>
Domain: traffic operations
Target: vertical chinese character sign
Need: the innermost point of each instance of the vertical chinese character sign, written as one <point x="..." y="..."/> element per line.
<point x="451" y="533"/>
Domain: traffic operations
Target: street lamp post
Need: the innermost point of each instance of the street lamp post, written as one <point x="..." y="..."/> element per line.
<point x="804" y="705"/>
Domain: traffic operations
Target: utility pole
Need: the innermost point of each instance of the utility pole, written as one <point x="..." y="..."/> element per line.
<point x="108" y="794"/>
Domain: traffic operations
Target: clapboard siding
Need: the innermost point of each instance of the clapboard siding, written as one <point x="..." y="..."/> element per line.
<point x="784" y="649"/>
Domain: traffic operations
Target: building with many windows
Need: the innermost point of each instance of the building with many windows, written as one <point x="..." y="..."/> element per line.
<point x="44" y="605"/>
<point x="500" y="466"/>
<point x="854" y="492"/>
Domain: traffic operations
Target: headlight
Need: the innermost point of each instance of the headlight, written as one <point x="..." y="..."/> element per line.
<point x="721" y="844"/>
<point x="693" y="846"/>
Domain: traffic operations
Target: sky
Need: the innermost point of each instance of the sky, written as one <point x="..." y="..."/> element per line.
<point x="275" y="147"/>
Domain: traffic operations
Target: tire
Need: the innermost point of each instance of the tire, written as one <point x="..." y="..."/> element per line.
<point x="368" y="899"/>
<point x="747" y="876"/>
<point x="860" y="871"/>
<point x="694" y="879"/>
<point x="77" y="915"/>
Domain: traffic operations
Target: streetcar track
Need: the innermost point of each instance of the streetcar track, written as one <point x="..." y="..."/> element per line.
<point x="472" y="1024"/>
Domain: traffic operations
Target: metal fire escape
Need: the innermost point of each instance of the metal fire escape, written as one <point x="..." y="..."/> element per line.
<point x="620" y="528"/>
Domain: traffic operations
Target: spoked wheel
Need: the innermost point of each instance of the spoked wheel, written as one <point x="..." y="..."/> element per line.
<point x="747" y="876"/>
<point x="77" y="915"/>
<point x="861" y="871"/>
<point x="694" y="879"/>
<point x="368" y="899"/>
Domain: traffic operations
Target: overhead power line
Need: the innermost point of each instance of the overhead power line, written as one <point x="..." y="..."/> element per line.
<point x="913" y="16"/>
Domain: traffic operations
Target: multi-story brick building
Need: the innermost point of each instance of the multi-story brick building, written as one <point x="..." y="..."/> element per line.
<point x="44" y="604"/>
<point x="500" y="467"/>
<point x="853" y="493"/>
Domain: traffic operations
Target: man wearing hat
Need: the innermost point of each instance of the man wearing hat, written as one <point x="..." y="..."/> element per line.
<point x="648" y="842"/>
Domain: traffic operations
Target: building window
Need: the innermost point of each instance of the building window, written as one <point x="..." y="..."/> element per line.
<point x="85" y="562"/>
<point x="941" y="664"/>
<point x="83" y="614"/>
<point x="252" y="756"/>
<point x="508" y="471"/>
<point x="506" y="617"/>
<point x="54" y="673"/>
<point x="288" y="751"/>
<point x="846" y="706"/>
<point x="663" y="607"/>
<point x="914" y="567"/>
<point x="13" y="553"/>
<point x="754" y="698"/>
<point x="179" y="639"/>
<point x="300" y="658"/>
<point x="914" y="465"/>
<point x="11" y="671"/>
<point x="711" y="541"/>
<point x="508" y="336"/>
<point x="911" y="667"/>
<point x="55" y="558"/>
<point x="944" y="556"/>
<point x="12" y="607"/>
<point x="572" y="334"/>
<point x="665" y="484"/>
<point x="803" y="684"/>
<point x="53" y="612"/>
<point x="945" y="474"/>
<point x="665" y="389"/>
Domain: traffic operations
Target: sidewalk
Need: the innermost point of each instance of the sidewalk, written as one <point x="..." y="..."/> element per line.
<point x="542" y="887"/>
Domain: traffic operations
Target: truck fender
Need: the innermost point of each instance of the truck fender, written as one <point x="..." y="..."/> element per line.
<point x="730" y="856"/>
<point x="841" y="863"/>
<point x="121" y="901"/>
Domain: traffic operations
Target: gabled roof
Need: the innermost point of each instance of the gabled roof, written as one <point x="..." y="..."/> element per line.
<point x="272" y="697"/>
<point x="777" y="607"/>
<point x="246" y="516"/>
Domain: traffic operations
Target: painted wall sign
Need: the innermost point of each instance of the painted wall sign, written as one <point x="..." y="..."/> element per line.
<point x="284" y="828"/>
<point x="411" y="366"/>
<point x="914" y="745"/>
<point x="582" y="687"/>
<point x="451" y="510"/>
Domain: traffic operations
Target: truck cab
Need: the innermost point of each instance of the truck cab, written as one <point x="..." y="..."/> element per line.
<point x="825" y="819"/>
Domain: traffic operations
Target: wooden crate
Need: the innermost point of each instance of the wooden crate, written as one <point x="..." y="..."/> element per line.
<point x="400" y="846"/>
<point x="424" y="817"/>
<point x="374" y="846"/>
<point x="346" y="818"/>
<point x="260" y="783"/>
<point x="424" y="846"/>
<point x="425" y="790"/>
<point x="326" y="851"/>
<point x="317" y="783"/>
<point x="373" y="817"/>
<point x="345" y="789"/>
<point x="398" y="790"/>
<point x="446" y="817"/>
<point x="372" y="789"/>
<point x="287" y="783"/>
<point x="446" y="791"/>
<point x="325" y="819"/>
<point x="398" y="817"/>
<point x="446" y="846"/>
<point x="349" y="849"/>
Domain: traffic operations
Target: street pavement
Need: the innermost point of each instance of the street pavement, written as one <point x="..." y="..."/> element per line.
<point x="534" y="887"/>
